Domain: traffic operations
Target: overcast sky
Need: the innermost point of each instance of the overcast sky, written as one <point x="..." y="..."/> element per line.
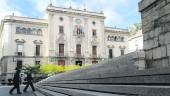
<point x="119" y="13"/>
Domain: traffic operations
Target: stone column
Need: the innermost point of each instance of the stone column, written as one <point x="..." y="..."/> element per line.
<point x="155" y="16"/>
<point x="51" y="32"/>
<point x="86" y="41"/>
<point x="139" y="58"/>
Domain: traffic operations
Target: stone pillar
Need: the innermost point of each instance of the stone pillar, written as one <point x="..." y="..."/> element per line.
<point x="52" y="36"/>
<point x="139" y="58"/>
<point x="155" y="16"/>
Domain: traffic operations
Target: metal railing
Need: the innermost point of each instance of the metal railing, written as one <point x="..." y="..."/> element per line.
<point x="61" y="54"/>
<point x="20" y="54"/>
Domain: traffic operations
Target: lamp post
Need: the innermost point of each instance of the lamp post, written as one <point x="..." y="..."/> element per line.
<point x="14" y="59"/>
<point x="136" y="45"/>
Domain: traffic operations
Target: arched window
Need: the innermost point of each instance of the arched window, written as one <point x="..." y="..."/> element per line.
<point x="39" y="32"/>
<point x="18" y="30"/>
<point x="29" y="31"/>
<point x="24" y="31"/>
<point x="108" y="38"/>
<point x="112" y="38"/>
<point x="94" y="23"/>
<point x="122" y="39"/>
<point x="115" y="39"/>
<point x="61" y="18"/>
<point x="119" y="38"/>
<point x="34" y="32"/>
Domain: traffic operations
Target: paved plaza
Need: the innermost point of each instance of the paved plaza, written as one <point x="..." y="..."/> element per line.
<point x="4" y="91"/>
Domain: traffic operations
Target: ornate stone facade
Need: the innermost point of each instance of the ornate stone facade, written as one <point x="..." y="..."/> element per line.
<point x="28" y="31"/>
<point x="68" y="36"/>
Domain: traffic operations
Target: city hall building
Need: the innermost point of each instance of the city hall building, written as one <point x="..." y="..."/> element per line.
<point x="68" y="36"/>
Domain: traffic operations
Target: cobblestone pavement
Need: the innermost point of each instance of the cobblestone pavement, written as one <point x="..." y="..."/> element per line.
<point x="4" y="91"/>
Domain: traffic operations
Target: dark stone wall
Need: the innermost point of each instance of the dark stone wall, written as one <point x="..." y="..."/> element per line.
<point x="155" y="15"/>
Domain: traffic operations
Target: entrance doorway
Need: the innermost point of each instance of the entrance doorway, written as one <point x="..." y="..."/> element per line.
<point x="19" y="64"/>
<point x="79" y="63"/>
<point x="94" y="62"/>
<point x="61" y="62"/>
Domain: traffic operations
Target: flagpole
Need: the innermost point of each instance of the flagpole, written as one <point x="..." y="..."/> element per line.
<point x="50" y="2"/>
<point x="70" y="3"/>
<point x="84" y="3"/>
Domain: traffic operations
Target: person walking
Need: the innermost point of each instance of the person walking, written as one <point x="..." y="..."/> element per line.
<point x="16" y="82"/>
<point x="29" y="80"/>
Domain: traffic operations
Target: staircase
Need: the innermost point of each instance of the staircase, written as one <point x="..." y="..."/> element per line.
<point x="117" y="77"/>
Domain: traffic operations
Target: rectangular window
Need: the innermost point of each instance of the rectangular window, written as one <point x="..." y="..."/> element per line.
<point x="110" y="53"/>
<point x="122" y="39"/>
<point x="17" y="30"/>
<point x="94" y="50"/>
<point x="61" y="49"/>
<point x="94" y="32"/>
<point x="20" y="48"/>
<point x="78" y="49"/>
<point x="61" y="29"/>
<point x="37" y="50"/>
<point x="122" y="52"/>
<point x="52" y="59"/>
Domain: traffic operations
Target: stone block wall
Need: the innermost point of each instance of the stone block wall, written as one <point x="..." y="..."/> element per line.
<point x="155" y="16"/>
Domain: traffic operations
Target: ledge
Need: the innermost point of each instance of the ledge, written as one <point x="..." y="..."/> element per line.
<point x="145" y="3"/>
<point x="74" y="12"/>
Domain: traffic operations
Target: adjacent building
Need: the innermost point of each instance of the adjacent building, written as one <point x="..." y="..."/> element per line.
<point x="68" y="36"/>
<point x="116" y="42"/>
<point x="135" y="38"/>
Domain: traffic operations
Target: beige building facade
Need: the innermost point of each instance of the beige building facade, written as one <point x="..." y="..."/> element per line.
<point x="68" y="36"/>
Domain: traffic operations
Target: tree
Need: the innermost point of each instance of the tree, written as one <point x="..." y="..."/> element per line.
<point x="51" y="69"/>
<point x="34" y="69"/>
<point x="135" y="28"/>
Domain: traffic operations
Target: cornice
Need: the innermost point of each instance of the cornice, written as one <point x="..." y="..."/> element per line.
<point x="145" y="3"/>
<point x="26" y="22"/>
<point x="116" y="30"/>
<point x="71" y="11"/>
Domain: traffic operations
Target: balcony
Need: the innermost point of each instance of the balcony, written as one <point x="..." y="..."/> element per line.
<point x="79" y="34"/>
<point x="19" y="54"/>
<point x="95" y="56"/>
<point x="78" y="55"/>
<point x="37" y="54"/>
<point x="61" y="55"/>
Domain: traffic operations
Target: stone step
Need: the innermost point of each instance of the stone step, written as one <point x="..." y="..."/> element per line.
<point x="123" y="63"/>
<point x="121" y="89"/>
<point x="77" y="92"/>
<point x="154" y="79"/>
<point x="37" y="93"/>
<point x="47" y="92"/>
<point x="107" y="75"/>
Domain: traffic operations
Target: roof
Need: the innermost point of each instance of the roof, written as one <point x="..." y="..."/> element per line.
<point x="116" y="30"/>
<point x="26" y="19"/>
<point x="137" y="35"/>
<point x="20" y="19"/>
<point x="70" y="10"/>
